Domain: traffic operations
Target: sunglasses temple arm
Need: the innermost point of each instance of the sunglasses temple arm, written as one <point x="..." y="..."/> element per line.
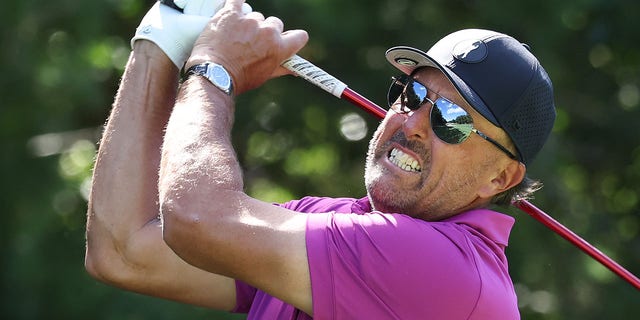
<point x="577" y="241"/>
<point x="495" y="143"/>
<point x="322" y="79"/>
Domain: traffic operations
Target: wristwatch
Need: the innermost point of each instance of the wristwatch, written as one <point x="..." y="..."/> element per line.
<point x="215" y="73"/>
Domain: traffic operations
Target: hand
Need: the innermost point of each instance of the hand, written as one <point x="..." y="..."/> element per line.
<point x="175" y="32"/>
<point x="251" y="47"/>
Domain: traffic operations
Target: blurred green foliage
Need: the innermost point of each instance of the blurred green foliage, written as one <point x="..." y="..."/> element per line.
<point x="61" y="62"/>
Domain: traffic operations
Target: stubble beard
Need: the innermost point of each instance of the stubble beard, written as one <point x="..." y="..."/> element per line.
<point x="395" y="197"/>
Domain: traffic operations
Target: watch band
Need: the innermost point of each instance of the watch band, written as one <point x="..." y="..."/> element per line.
<point x="215" y="73"/>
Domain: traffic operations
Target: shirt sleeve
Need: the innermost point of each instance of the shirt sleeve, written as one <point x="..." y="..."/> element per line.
<point x="244" y="297"/>
<point x="389" y="266"/>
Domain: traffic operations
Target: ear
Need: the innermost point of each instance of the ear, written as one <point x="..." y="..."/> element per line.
<point x="510" y="176"/>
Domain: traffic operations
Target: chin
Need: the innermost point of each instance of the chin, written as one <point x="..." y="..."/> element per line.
<point x="382" y="193"/>
<point x="386" y="198"/>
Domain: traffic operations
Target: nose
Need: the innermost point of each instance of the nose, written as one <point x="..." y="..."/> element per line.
<point x="417" y="125"/>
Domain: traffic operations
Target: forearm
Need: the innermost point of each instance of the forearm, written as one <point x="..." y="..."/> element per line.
<point x="124" y="192"/>
<point x="198" y="157"/>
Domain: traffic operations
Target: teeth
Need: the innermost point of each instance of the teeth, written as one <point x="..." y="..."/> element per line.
<point x="404" y="161"/>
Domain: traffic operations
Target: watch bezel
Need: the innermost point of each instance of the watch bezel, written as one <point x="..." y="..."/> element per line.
<point x="212" y="72"/>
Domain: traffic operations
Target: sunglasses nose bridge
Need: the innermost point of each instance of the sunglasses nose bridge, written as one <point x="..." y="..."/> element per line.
<point x="417" y="123"/>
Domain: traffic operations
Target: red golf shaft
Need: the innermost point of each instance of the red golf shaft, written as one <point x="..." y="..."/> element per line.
<point x="363" y="103"/>
<point x="576" y="240"/>
<point x="523" y="205"/>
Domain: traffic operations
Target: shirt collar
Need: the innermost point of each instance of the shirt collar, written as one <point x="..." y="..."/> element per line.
<point x="494" y="225"/>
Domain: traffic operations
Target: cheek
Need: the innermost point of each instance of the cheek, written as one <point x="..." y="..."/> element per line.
<point x="466" y="154"/>
<point x="384" y="132"/>
<point x="462" y="167"/>
<point x="448" y="155"/>
<point x="451" y="165"/>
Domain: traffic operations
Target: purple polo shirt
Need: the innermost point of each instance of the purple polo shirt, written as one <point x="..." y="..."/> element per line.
<point x="372" y="265"/>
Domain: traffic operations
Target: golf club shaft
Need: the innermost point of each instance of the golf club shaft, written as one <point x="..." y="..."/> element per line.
<point x="577" y="241"/>
<point x="322" y="79"/>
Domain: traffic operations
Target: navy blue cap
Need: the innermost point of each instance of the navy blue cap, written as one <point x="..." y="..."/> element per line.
<point x="498" y="76"/>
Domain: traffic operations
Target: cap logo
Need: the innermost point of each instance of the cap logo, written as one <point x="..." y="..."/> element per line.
<point x="470" y="51"/>
<point x="406" y="62"/>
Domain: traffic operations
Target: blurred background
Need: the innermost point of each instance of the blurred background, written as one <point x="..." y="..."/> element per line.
<point x="61" y="62"/>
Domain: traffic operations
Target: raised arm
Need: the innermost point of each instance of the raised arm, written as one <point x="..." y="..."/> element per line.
<point x="124" y="233"/>
<point x="208" y="220"/>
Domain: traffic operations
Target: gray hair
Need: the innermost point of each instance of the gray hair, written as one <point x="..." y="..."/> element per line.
<point x="523" y="191"/>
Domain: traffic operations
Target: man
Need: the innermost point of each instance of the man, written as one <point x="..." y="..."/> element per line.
<point x="464" y="121"/>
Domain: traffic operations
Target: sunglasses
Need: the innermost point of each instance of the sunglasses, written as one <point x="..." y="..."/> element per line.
<point x="450" y="122"/>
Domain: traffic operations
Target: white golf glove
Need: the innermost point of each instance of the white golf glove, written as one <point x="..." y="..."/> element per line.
<point x="175" y="32"/>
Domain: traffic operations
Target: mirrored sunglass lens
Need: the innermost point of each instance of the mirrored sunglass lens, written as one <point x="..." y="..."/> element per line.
<point x="414" y="95"/>
<point x="395" y="89"/>
<point x="450" y="122"/>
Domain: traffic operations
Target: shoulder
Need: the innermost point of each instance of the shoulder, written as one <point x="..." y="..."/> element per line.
<point x="325" y="204"/>
<point x="390" y="235"/>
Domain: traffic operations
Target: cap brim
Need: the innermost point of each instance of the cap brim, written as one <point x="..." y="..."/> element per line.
<point x="408" y="59"/>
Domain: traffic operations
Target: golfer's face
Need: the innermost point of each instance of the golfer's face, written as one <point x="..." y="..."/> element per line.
<point x="411" y="171"/>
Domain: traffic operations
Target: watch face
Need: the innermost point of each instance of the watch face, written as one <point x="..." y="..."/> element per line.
<point x="215" y="73"/>
<point x="221" y="77"/>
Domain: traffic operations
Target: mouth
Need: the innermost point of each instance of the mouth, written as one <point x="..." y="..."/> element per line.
<point x="404" y="161"/>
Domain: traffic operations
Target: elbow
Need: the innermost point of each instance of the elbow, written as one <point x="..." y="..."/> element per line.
<point x="178" y="225"/>
<point x="94" y="268"/>
<point x="104" y="258"/>
<point x="98" y="266"/>
<point x="96" y="257"/>
<point x="110" y="269"/>
<point x="189" y="223"/>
